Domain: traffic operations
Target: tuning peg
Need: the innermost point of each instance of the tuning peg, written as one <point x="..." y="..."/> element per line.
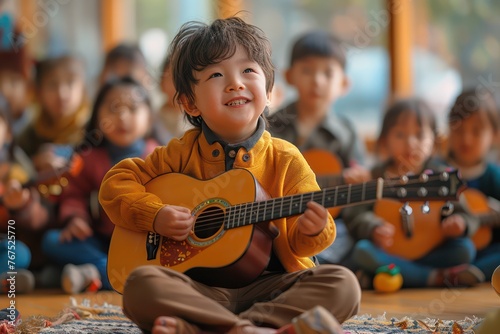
<point x="424" y="177"/>
<point x="447" y="209"/>
<point x="444" y="176"/>
<point x="406" y="209"/>
<point x="426" y="208"/>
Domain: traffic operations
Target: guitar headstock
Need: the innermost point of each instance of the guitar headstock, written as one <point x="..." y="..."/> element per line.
<point x="446" y="185"/>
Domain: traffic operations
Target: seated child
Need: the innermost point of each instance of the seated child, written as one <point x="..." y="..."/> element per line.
<point x="407" y="143"/>
<point x="22" y="214"/>
<point x="473" y="126"/>
<point x="223" y="76"/>
<point x="118" y="129"/>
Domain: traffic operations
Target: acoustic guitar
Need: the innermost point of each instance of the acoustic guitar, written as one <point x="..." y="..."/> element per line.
<point x="417" y="231"/>
<point x="230" y="244"/>
<point x="328" y="169"/>
<point x="477" y="204"/>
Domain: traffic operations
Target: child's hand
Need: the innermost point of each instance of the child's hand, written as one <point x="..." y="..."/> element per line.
<point x="175" y="222"/>
<point x="48" y="160"/>
<point x="77" y="228"/>
<point x="356" y="174"/>
<point x="15" y="197"/>
<point x="453" y="226"/>
<point x="383" y="235"/>
<point x="314" y="219"/>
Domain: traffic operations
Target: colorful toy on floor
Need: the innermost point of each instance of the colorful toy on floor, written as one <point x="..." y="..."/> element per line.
<point x="388" y="279"/>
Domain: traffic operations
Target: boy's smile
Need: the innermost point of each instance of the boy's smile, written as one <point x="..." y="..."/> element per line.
<point x="230" y="96"/>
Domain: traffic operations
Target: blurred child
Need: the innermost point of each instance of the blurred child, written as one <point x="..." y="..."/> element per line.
<point x="473" y="126"/>
<point x="171" y="121"/>
<point x="118" y="129"/>
<point x="407" y="139"/>
<point x="22" y="215"/>
<point x="62" y="113"/>
<point x="317" y="71"/>
<point x="223" y="76"/>
<point x="15" y="81"/>
<point x="124" y="60"/>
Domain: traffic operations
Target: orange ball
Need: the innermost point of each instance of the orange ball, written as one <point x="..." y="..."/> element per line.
<point x="387" y="279"/>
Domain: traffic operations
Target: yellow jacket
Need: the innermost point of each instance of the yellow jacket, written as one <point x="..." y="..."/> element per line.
<point x="276" y="164"/>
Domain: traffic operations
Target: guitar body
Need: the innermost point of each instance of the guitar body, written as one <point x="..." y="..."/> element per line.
<point x="426" y="229"/>
<point x="211" y="254"/>
<point x="328" y="169"/>
<point x="478" y="205"/>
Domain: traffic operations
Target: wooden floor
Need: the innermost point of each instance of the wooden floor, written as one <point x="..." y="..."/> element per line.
<point x="444" y="304"/>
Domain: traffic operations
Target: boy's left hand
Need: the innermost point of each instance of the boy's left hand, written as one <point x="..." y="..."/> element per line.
<point x="314" y="219"/>
<point x="453" y="226"/>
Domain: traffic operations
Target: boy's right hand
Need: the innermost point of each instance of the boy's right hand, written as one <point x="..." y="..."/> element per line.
<point x="383" y="235"/>
<point x="174" y="222"/>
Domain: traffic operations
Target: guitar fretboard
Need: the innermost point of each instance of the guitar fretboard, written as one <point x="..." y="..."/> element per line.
<point x="344" y="195"/>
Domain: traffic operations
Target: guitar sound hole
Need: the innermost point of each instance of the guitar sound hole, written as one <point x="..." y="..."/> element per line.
<point x="209" y="222"/>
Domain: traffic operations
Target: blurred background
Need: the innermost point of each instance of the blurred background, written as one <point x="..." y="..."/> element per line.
<point x="394" y="48"/>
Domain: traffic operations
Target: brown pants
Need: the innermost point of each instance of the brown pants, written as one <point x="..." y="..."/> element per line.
<point x="271" y="301"/>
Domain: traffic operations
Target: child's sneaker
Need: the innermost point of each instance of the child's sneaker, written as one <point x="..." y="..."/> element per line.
<point x="464" y="275"/>
<point x="314" y="321"/>
<point x="21" y="282"/>
<point x="78" y="278"/>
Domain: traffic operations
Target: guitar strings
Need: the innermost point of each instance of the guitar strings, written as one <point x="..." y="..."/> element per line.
<point x="246" y="211"/>
<point x="288" y="200"/>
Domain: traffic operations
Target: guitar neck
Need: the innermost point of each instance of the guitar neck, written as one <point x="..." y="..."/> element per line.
<point x="442" y="186"/>
<point x="344" y="195"/>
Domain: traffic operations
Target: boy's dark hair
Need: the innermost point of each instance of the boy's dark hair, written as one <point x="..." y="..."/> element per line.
<point x="469" y="102"/>
<point x="416" y="106"/>
<point x="198" y="45"/>
<point x="320" y="44"/>
<point x="47" y="65"/>
<point x="93" y="135"/>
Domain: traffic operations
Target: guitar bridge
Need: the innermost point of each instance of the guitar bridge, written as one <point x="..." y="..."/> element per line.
<point x="152" y="245"/>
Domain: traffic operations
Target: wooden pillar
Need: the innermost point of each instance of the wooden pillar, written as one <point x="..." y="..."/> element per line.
<point x="112" y="23"/>
<point x="25" y="15"/>
<point x="227" y="8"/>
<point x="400" y="47"/>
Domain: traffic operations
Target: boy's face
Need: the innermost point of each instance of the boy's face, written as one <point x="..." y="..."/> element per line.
<point x="15" y="89"/>
<point x="62" y="90"/>
<point x="319" y="81"/>
<point x="470" y="139"/>
<point x="230" y="96"/>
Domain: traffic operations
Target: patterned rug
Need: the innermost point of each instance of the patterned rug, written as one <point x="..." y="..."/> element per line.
<point x="109" y="319"/>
